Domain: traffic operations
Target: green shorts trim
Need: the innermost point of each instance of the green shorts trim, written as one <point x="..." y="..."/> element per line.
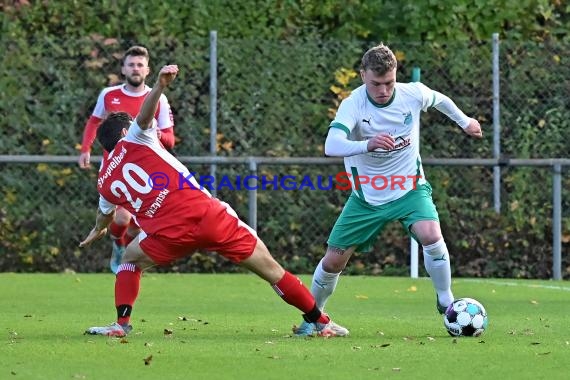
<point x="360" y="223"/>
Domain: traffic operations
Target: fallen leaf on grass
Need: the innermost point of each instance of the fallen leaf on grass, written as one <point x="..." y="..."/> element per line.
<point x="147" y="360"/>
<point x="167" y="332"/>
<point x="380" y="345"/>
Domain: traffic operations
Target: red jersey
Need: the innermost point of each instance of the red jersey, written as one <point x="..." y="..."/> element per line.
<point x="119" y="99"/>
<point x="156" y="188"/>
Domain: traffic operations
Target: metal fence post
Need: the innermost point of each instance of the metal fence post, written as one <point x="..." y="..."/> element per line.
<point x="213" y="102"/>
<point x="496" y="125"/>
<point x="557" y="222"/>
<point x="414" y="248"/>
<point x="252" y="193"/>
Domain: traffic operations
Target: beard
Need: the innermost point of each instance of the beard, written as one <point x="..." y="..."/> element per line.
<point x="136" y="81"/>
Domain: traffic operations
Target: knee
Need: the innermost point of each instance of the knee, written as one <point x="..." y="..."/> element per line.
<point x="431" y="239"/>
<point x="122" y="218"/>
<point x="437" y="248"/>
<point x="335" y="259"/>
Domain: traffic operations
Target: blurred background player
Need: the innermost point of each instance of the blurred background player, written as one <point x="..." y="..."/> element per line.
<point x="126" y="97"/>
<point x="176" y="219"/>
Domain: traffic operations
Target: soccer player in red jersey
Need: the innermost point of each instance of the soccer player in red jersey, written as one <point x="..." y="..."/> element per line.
<point x="175" y="215"/>
<point x="127" y="97"/>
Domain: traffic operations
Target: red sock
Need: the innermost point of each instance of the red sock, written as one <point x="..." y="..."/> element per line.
<point x="118" y="233"/>
<point x="127" y="286"/>
<point x="292" y="290"/>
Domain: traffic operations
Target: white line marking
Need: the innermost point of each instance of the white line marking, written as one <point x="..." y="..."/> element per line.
<point x="539" y="286"/>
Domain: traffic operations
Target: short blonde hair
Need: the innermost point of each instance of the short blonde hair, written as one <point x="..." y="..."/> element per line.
<point x="380" y="59"/>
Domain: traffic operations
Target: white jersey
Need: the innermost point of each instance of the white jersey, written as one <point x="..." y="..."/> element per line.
<point x="387" y="175"/>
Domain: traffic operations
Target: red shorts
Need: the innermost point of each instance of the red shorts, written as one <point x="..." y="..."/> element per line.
<point x="219" y="230"/>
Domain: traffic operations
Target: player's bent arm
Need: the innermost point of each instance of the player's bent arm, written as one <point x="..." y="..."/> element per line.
<point x="89" y="133"/>
<point x="445" y="105"/>
<point x="102" y="221"/>
<point x="150" y="105"/>
<point x="337" y="144"/>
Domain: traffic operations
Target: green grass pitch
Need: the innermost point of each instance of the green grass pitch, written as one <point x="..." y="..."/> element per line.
<point x="190" y="326"/>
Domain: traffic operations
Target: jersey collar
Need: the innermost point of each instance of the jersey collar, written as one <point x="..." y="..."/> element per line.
<point x="382" y="105"/>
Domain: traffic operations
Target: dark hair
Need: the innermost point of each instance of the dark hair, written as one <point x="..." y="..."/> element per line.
<point x="380" y="59"/>
<point x="135" y="51"/>
<point x="110" y="130"/>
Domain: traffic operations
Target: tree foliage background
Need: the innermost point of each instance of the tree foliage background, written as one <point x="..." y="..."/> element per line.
<point x="284" y="66"/>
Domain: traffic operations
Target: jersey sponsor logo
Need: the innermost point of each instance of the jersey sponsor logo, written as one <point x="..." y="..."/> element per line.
<point x="115" y="161"/>
<point x="400" y="143"/>
<point x="367" y="121"/>
<point x="116" y="101"/>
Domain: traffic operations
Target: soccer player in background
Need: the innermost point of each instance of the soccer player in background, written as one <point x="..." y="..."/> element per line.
<point x="127" y="97"/>
<point x="377" y="129"/>
<point x="175" y="215"/>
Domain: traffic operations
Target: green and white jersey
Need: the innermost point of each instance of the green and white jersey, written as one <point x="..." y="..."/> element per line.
<point x="387" y="175"/>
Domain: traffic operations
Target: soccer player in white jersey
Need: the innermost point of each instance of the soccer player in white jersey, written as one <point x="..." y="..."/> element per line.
<point x="175" y="215"/>
<point x="376" y="130"/>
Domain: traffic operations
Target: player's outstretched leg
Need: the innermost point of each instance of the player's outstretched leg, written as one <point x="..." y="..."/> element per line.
<point x="289" y="288"/>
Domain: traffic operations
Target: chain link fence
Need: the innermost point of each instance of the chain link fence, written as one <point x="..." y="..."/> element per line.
<point x="276" y="99"/>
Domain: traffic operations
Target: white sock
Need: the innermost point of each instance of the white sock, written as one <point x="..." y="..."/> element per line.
<point x="436" y="262"/>
<point x="323" y="285"/>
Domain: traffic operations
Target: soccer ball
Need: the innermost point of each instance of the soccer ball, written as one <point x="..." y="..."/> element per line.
<point x="465" y="317"/>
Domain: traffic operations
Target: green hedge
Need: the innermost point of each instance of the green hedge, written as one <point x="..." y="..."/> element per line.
<point x="278" y="62"/>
